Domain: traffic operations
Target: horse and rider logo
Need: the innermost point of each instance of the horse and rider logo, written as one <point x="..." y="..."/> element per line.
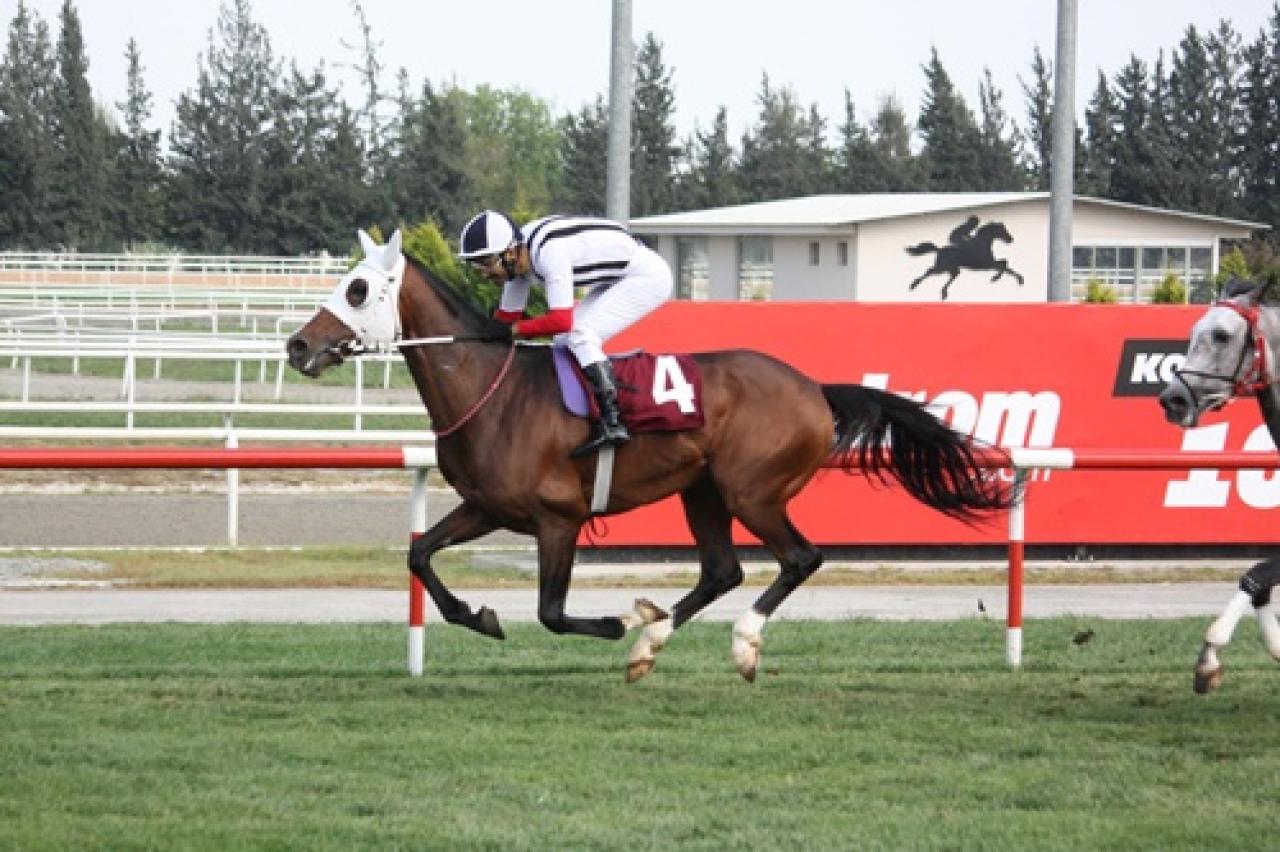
<point x="966" y="249"/>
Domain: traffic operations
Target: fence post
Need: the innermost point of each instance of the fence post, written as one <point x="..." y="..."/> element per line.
<point x="233" y="488"/>
<point x="1017" y="535"/>
<point x="417" y="594"/>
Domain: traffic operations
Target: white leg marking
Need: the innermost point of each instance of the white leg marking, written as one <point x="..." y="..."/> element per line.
<point x="658" y="626"/>
<point x="1219" y="633"/>
<point x="746" y="643"/>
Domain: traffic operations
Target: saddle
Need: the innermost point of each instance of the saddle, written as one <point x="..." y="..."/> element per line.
<point x="656" y="393"/>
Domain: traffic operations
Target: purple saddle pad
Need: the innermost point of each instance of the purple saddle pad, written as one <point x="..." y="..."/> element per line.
<point x="572" y="392"/>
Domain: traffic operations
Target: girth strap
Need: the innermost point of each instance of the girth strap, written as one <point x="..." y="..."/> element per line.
<point x="604" y="479"/>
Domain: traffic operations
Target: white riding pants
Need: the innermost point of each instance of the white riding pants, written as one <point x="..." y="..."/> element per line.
<point x="609" y="308"/>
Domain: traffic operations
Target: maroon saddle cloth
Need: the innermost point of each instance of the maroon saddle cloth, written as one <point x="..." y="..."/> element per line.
<point x="656" y="393"/>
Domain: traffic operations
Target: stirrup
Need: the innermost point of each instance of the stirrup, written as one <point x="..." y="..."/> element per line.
<point x="602" y="437"/>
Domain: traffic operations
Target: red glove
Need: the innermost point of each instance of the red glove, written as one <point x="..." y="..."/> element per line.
<point x="508" y="316"/>
<point x="554" y="321"/>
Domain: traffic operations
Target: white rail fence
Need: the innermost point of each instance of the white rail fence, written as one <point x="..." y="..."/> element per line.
<point x="223" y="271"/>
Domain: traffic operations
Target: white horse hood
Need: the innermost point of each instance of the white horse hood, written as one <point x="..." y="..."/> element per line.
<point x="367" y="298"/>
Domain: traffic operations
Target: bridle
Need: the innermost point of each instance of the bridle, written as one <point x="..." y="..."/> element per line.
<point x="386" y="319"/>
<point x="1243" y="382"/>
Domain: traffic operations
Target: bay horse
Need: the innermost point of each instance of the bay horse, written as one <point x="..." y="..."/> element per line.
<point x="966" y="252"/>
<point x="1232" y="353"/>
<point x="503" y="441"/>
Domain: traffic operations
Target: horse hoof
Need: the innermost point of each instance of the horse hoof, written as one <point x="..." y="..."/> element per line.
<point x="1207" y="681"/>
<point x="746" y="657"/>
<point x="487" y="623"/>
<point x="637" y="669"/>
<point x="649" y="611"/>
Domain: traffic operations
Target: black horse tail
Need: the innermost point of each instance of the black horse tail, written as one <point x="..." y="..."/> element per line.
<point x="922" y="248"/>
<point x="879" y="433"/>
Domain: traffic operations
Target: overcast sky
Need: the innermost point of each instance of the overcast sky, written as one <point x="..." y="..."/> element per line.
<point x="718" y="49"/>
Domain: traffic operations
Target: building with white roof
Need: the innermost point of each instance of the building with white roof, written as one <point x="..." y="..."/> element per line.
<point x="905" y="247"/>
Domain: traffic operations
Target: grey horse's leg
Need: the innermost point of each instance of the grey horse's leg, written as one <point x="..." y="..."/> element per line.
<point x="1255" y="591"/>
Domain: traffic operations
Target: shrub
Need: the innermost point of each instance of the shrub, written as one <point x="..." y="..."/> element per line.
<point x="1170" y="291"/>
<point x="1100" y="293"/>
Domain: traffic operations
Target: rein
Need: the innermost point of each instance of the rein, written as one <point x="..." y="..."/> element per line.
<point x="502" y="374"/>
<point x="1243" y="382"/>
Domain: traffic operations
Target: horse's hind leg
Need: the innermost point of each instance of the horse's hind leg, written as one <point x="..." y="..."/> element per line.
<point x="709" y="521"/>
<point x="556" y="542"/>
<point x="464" y="523"/>
<point x="1256" y="586"/>
<point x="798" y="560"/>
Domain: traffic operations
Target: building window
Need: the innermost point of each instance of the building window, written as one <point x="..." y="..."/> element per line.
<point x="755" y="269"/>
<point x="842" y="253"/>
<point x="815" y="253"/>
<point x="695" y="269"/>
<point x="1134" y="272"/>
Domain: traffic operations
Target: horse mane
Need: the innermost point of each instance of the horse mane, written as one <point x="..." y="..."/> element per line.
<point x="1238" y="287"/>
<point x="455" y="301"/>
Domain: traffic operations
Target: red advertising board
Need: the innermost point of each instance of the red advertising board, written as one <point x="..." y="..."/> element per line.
<point x="1051" y="375"/>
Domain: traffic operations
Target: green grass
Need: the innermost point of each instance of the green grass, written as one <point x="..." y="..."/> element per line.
<point x="858" y="735"/>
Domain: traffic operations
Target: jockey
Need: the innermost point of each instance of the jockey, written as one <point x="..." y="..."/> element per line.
<point x="623" y="281"/>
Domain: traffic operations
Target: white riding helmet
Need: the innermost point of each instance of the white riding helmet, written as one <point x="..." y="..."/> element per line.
<point x="488" y="232"/>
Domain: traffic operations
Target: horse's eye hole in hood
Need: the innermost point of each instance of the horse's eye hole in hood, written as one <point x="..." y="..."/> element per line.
<point x="358" y="293"/>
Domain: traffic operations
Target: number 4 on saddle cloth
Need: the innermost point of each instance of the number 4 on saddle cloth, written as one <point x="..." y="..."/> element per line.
<point x="656" y="393"/>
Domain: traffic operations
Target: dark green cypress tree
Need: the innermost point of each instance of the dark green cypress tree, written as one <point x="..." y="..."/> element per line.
<point x="1260" y="153"/>
<point x="713" y="169"/>
<point x="891" y="138"/>
<point x="653" y="146"/>
<point x="952" y="139"/>
<point x="1132" y="178"/>
<point x="1000" y="138"/>
<point x="78" y="190"/>
<point x="858" y="165"/>
<point x="583" y="155"/>
<point x="429" y="177"/>
<point x="1039" y="135"/>
<point x="1225" y="70"/>
<point x="219" y="142"/>
<point x="138" y="177"/>
<point x="27" y="139"/>
<point x="1101" y="125"/>
<point x="779" y="156"/>
<point x="315" y="184"/>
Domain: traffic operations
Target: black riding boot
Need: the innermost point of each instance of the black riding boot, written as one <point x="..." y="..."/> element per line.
<point x="608" y="429"/>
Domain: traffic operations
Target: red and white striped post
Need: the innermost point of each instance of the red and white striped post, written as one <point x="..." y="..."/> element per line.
<point x="420" y="460"/>
<point x="417" y="596"/>
<point x="1017" y="539"/>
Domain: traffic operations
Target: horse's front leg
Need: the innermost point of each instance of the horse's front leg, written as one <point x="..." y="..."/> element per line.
<point x="1256" y="586"/>
<point x="557" y="540"/>
<point x="466" y="522"/>
<point x="946" y="288"/>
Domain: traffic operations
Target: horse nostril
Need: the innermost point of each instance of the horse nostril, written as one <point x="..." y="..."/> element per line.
<point x="1173" y="403"/>
<point x="297" y="349"/>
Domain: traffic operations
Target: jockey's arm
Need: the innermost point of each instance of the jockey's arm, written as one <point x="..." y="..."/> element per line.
<point x="556" y="268"/>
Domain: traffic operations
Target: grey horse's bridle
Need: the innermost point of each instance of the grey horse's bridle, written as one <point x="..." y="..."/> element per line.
<point x="1241" y="381"/>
